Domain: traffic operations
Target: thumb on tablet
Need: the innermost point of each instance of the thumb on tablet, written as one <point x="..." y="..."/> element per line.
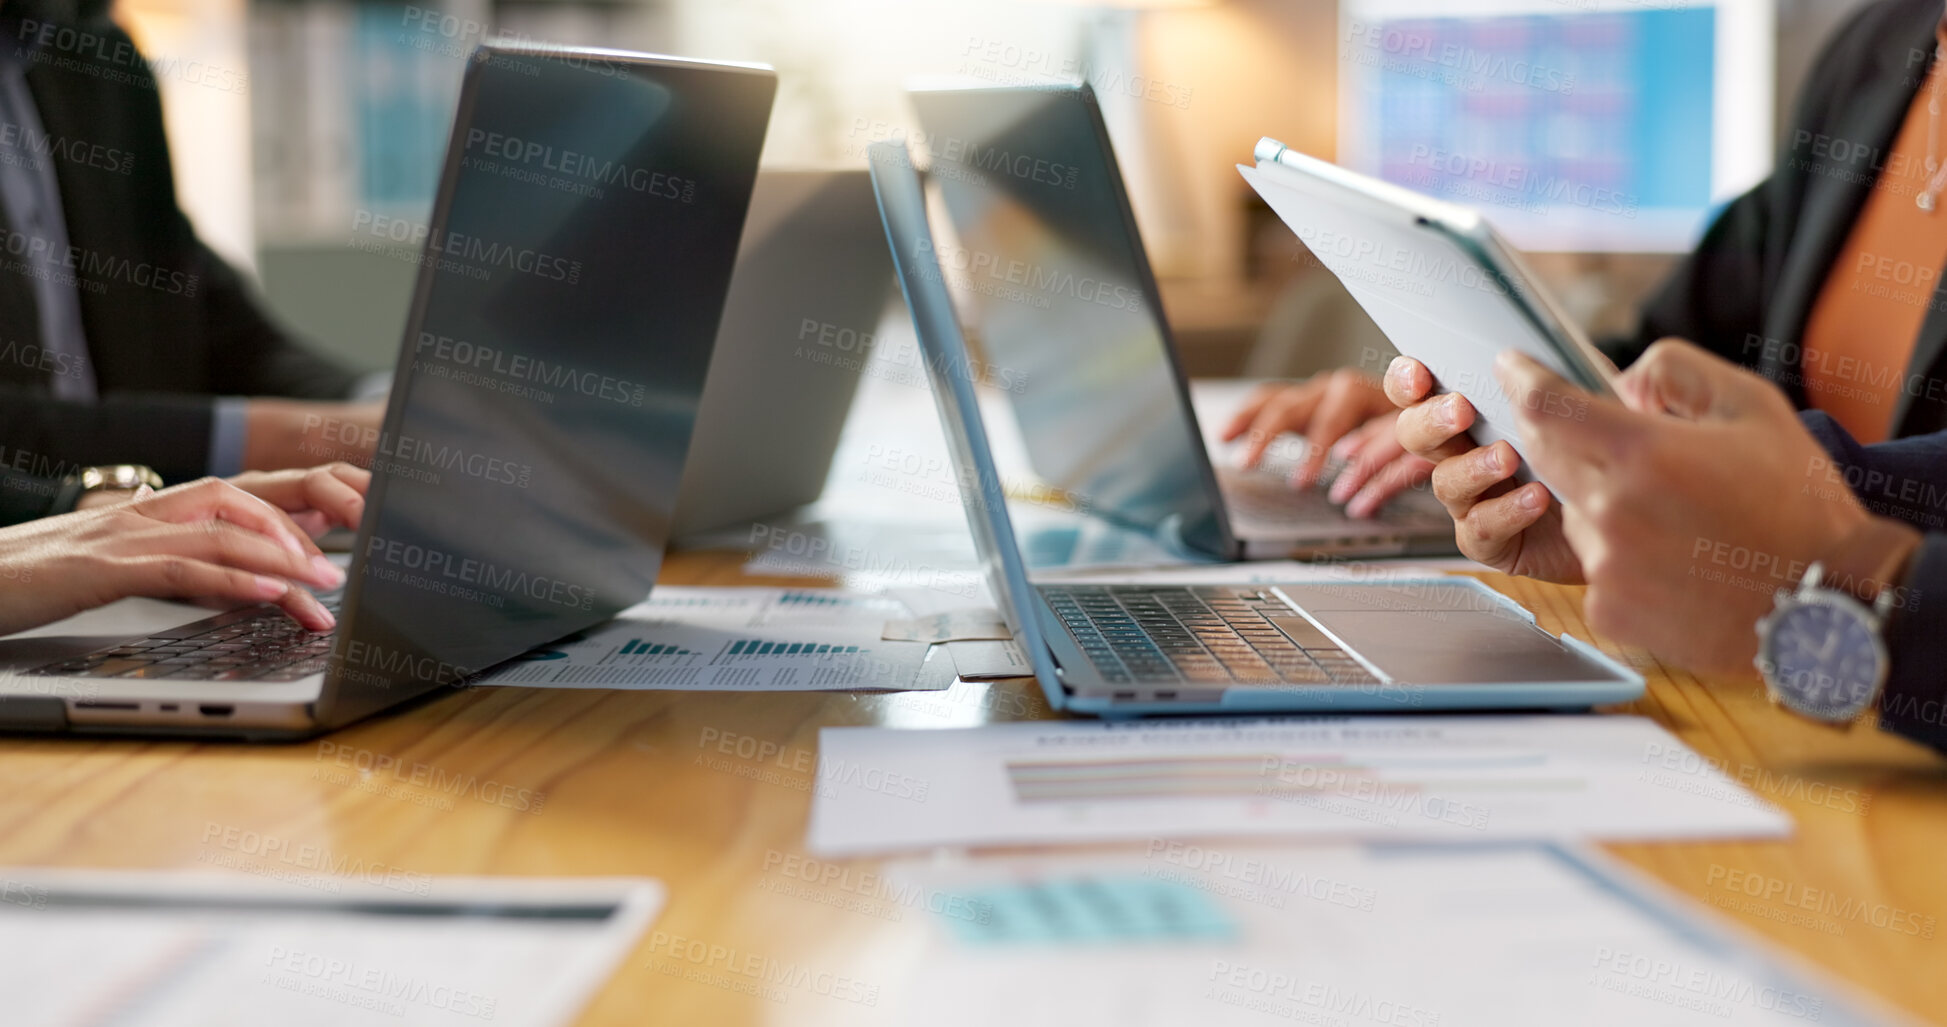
<point x="1568" y="436"/>
<point x="1676" y="377"/>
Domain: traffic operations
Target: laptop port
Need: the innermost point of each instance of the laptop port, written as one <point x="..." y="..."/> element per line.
<point x="216" y="709"/>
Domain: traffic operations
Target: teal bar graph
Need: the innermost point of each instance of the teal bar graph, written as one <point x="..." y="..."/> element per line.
<point x="811" y="599"/>
<point x="759" y="647"/>
<point x="640" y="647"/>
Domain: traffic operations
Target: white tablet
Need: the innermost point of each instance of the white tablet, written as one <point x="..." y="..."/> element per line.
<point x="1435" y="277"/>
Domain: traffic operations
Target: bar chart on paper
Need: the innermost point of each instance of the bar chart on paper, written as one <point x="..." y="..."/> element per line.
<point x="1386" y="777"/>
<point x="757" y="607"/>
<point x="643" y="646"/>
<point x="751" y="639"/>
<point x="759" y="647"/>
<point x="1395" y="783"/>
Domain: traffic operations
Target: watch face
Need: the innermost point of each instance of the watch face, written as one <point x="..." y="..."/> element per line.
<point x="1824" y="660"/>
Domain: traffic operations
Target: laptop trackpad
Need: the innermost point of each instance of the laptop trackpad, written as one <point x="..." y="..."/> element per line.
<point x="1458" y="647"/>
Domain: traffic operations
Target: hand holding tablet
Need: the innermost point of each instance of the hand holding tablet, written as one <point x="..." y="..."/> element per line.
<point x="1514" y="528"/>
<point x="1438" y="280"/>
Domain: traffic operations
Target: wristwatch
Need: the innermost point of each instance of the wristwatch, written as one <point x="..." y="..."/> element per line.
<point x="1821" y="653"/>
<point x="1821" y="649"/>
<point x="116" y="478"/>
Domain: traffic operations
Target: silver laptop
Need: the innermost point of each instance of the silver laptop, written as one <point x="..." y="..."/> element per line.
<point x="570" y="287"/>
<point x="1048" y="260"/>
<point x="812" y="283"/>
<point x="1336" y="643"/>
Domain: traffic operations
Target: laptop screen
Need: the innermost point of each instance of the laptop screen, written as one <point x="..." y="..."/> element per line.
<point x="570" y="285"/>
<point x="953" y="372"/>
<point x="1060" y="294"/>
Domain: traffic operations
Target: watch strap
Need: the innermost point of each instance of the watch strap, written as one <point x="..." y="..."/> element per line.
<point x="117" y="478"/>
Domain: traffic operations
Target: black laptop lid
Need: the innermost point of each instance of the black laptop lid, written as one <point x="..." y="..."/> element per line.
<point x="572" y="279"/>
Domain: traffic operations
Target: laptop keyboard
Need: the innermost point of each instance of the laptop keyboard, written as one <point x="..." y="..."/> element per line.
<point x="259" y="643"/>
<point x="1196" y="635"/>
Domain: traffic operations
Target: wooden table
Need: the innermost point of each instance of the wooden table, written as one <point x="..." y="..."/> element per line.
<point x="634" y="783"/>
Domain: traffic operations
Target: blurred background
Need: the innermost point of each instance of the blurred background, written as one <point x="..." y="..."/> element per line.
<point x="1599" y="135"/>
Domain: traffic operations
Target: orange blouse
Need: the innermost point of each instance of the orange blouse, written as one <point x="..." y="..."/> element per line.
<point x="1861" y="333"/>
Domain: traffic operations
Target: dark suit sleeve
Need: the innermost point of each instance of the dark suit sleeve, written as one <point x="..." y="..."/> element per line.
<point x="25" y="496"/>
<point x="1905" y="479"/>
<point x="1716" y="296"/>
<point x="252" y="354"/>
<point x="1915" y="701"/>
<point x="166" y="341"/>
<point x="50" y="438"/>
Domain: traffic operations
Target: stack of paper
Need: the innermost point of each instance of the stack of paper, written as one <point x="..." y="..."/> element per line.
<point x="1174" y="933"/>
<point x="1364" y="777"/>
<point x="203" y="950"/>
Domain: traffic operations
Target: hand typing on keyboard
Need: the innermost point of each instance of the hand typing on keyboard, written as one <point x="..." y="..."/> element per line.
<point x="207" y="540"/>
<point x="1344" y="415"/>
<point x="255" y="644"/>
<point x="317" y="498"/>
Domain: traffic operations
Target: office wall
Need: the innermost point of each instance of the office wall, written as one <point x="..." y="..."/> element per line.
<point x="1252" y="68"/>
<point x="1221" y="74"/>
<point x="197" y="50"/>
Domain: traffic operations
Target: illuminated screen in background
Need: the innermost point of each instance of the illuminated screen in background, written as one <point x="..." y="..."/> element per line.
<point x="1609" y="127"/>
